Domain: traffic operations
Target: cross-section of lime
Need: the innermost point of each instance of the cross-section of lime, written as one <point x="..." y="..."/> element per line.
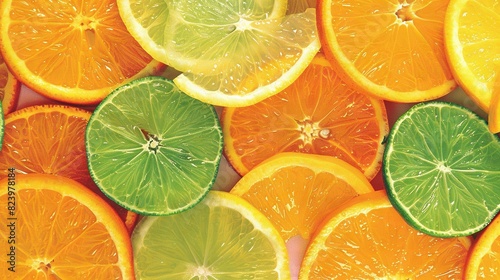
<point x="222" y="237"/>
<point x="153" y="149"/>
<point x="442" y="169"/>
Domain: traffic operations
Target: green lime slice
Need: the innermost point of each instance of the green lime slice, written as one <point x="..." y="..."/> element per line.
<point x="222" y="237"/>
<point x="441" y="168"/>
<point x="153" y="149"/>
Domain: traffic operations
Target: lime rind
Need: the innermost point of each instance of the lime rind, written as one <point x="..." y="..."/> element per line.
<point x="442" y="169"/>
<point x="152" y="149"/>
<point x="221" y="236"/>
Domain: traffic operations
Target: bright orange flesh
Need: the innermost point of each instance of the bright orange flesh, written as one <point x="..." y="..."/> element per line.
<point x="369" y="237"/>
<point x="296" y="191"/>
<point x="484" y="261"/>
<point x="317" y="114"/>
<point x="10" y="88"/>
<point x="50" y="139"/>
<point x="63" y="231"/>
<point x="70" y="51"/>
<point x="390" y="49"/>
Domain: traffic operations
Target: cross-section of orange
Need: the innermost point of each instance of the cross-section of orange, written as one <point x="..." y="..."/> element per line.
<point x="51" y="139"/>
<point x="390" y="49"/>
<point x="483" y="261"/>
<point x="71" y="51"/>
<point x="317" y="114"/>
<point x="366" y="238"/>
<point x="472" y="46"/>
<point x="56" y="228"/>
<point x="10" y="88"/>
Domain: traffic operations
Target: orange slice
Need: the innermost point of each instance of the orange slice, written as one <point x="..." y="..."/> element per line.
<point x="51" y="139"/>
<point x="471" y="40"/>
<point x="58" y="229"/>
<point x="316" y="114"/>
<point x="483" y="261"/>
<point x="366" y="238"/>
<point x="10" y="88"/>
<point x="74" y="52"/>
<point x="390" y="49"/>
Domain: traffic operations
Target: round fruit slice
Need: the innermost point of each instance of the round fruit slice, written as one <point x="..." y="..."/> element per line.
<point x="317" y="114"/>
<point x="393" y="50"/>
<point x="153" y="149"/>
<point x="10" y="88"/>
<point x="483" y="261"/>
<point x="441" y="169"/>
<point x="295" y="191"/>
<point x="471" y="40"/>
<point x="50" y="139"/>
<point x="221" y="237"/>
<point x="366" y="238"/>
<point x="232" y="53"/>
<point x="58" y="229"/>
<point x="70" y="51"/>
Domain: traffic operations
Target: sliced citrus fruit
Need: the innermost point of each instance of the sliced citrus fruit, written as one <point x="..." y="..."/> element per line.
<point x="317" y="114"/>
<point x="441" y="169"/>
<point x="58" y="229"/>
<point x="390" y="49"/>
<point x="10" y="88"/>
<point x="295" y="191"/>
<point x="471" y="40"/>
<point x="50" y="139"/>
<point x="232" y="54"/>
<point x="153" y="149"/>
<point x="366" y="238"/>
<point x="483" y="261"/>
<point x="222" y="237"/>
<point x="70" y="51"/>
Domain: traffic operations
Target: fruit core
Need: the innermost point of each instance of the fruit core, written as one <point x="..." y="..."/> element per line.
<point x="311" y="130"/>
<point x="405" y="13"/>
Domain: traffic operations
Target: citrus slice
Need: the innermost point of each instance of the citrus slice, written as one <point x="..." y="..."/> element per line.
<point x="58" y="229"/>
<point x="441" y="169"/>
<point x="483" y="261"/>
<point x="471" y="40"/>
<point x="50" y="139"/>
<point x="223" y="237"/>
<point x="295" y="191"/>
<point x="317" y="114"/>
<point x="70" y="51"/>
<point x="153" y="149"/>
<point x="10" y="88"/>
<point x="393" y="50"/>
<point x="366" y="238"/>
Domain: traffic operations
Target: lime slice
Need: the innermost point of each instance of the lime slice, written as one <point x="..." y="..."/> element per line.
<point x="442" y="169"/>
<point x="189" y="35"/>
<point x="153" y="149"/>
<point x="223" y="237"/>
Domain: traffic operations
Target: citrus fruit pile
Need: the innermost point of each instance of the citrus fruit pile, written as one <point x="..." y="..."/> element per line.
<point x="272" y="139"/>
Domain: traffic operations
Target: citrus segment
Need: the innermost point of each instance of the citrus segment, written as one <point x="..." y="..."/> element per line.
<point x="74" y="52"/>
<point x="153" y="149"/>
<point x="317" y="114"/>
<point x="61" y="231"/>
<point x="296" y="191"/>
<point x="50" y="139"/>
<point x="366" y="238"/>
<point x="441" y="169"/>
<point x="483" y="261"/>
<point x="222" y="237"/>
<point x="393" y="50"/>
<point x="471" y="40"/>
<point x="10" y="88"/>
